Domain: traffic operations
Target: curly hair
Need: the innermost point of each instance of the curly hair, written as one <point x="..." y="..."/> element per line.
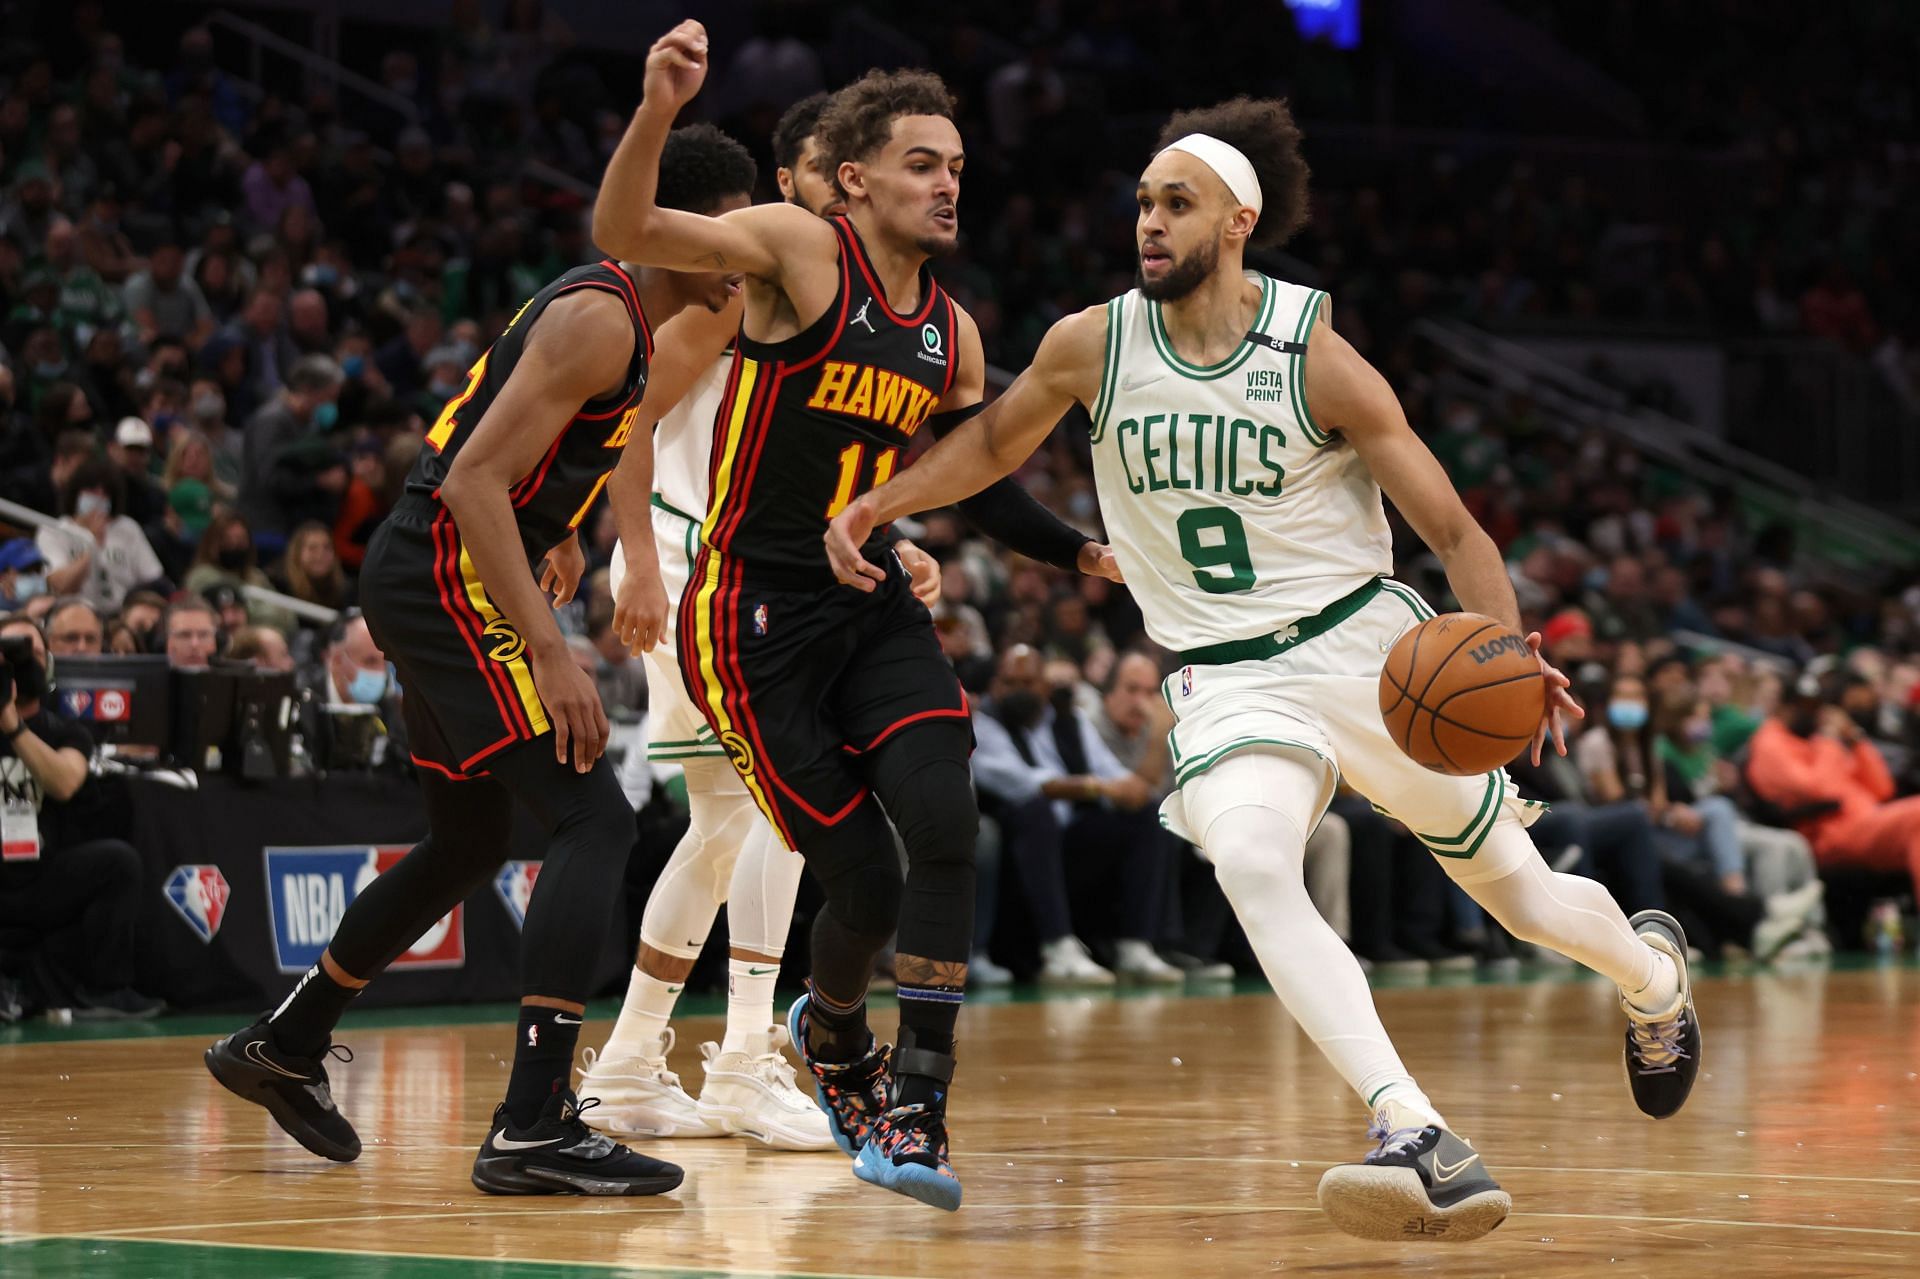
<point x="859" y="119"/>
<point x="700" y="166"/>
<point x="800" y="122"/>
<point x="1264" y="131"/>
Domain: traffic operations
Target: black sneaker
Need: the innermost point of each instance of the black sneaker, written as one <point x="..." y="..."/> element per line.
<point x="560" y="1155"/>
<point x="1663" y="1048"/>
<point x="1417" y="1185"/>
<point x="293" y="1089"/>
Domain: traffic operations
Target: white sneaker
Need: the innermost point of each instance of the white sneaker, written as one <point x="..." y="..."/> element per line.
<point x="752" y="1094"/>
<point x="1135" y="961"/>
<point x="1065" y="962"/>
<point x="1787" y="915"/>
<point x="640" y="1097"/>
<point x="983" y="972"/>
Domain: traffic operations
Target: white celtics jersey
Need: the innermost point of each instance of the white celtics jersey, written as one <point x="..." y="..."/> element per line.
<point x="1231" y="513"/>
<point x="683" y="442"/>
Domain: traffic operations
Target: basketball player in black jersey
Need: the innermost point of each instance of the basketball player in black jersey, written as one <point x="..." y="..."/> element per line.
<point x="827" y="699"/>
<point x="511" y="467"/>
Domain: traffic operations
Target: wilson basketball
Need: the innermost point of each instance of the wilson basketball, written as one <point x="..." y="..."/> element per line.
<point x="1462" y="694"/>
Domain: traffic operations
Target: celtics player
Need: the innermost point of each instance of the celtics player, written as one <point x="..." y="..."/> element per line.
<point x="1240" y="450"/>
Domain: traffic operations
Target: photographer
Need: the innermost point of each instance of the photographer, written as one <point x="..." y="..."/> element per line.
<point x="67" y="910"/>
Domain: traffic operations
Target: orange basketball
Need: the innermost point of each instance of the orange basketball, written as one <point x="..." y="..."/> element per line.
<point x="1462" y="694"/>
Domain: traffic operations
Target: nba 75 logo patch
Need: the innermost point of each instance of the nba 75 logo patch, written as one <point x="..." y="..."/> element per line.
<point x="200" y="894"/>
<point x="759" y="619"/>
<point x="1186" y="681"/>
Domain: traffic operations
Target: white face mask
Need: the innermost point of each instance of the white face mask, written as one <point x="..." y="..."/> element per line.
<point x="92" y="504"/>
<point x="28" y="585"/>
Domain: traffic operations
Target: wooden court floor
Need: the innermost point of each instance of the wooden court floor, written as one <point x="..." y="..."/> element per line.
<point x="1097" y="1136"/>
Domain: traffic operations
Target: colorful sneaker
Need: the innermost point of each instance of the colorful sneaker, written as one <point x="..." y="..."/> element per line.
<point x="294" y="1090"/>
<point x="1418" y="1185"/>
<point x="559" y="1155"/>
<point x="1663" y="1047"/>
<point x="907" y="1154"/>
<point x="851" y="1093"/>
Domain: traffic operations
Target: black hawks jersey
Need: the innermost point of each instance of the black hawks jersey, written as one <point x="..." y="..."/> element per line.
<point x="808" y="424"/>
<point x="551" y="499"/>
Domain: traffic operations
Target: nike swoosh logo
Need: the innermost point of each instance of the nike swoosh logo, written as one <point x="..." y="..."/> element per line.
<point x="1444" y="1173"/>
<point x="761" y="972"/>
<point x="502" y="1142"/>
<point x="1134" y="384"/>
<point x="561" y="1019"/>
<point x="254" y="1053"/>
<point x="673" y="990"/>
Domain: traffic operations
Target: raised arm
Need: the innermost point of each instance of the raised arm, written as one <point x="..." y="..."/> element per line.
<point x="1348" y="395"/>
<point x="992" y="444"/>
<point x="686" y="347"/>
<point x="629" y="224"/>
<point x="579" y="349"/>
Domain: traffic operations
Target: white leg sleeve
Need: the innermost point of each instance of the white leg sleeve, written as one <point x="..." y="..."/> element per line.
<point x="688" y="894"/>
<point x="1251" y="812"/>
<point x="1567" y="913"/>
<point x="765" y="881"/>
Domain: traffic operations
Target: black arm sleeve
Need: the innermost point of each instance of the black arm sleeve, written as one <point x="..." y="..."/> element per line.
<point x="1012" y="516"/>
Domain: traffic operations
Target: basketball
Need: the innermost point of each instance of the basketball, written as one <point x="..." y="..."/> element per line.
<point x="1462" y="694"/>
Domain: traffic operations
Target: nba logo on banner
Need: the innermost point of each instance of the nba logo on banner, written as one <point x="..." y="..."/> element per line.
<point x="515" y="883"/>
<point x="199" y="893"/>
<point x="309" y="889"/>
<point x="1186" y="681"/>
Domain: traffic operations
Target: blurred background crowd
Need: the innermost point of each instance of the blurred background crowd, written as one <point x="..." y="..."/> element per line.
<point x="237" y="283"/>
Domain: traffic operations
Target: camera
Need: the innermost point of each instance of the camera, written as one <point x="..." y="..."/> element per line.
<point x="20" y="669"/>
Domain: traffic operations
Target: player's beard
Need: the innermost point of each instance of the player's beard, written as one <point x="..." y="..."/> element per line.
<point x="1183" y="277"/>
<point x="938" y="246"/>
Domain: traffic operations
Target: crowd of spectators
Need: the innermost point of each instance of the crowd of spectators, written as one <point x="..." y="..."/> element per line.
<point x="228" y="314"/>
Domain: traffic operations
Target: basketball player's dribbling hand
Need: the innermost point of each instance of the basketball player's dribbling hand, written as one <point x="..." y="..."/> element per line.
<point x="1560" y="704"/>
<point x="640" y="611"/>
<point x="573" y="707"/>
<point x="566" y="565"/>
<point x="676" y="66"/>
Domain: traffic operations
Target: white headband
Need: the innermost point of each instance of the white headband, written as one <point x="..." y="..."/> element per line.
<point x="1226" y="160"/>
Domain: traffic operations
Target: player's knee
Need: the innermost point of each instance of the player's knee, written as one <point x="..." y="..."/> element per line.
<point x="1257" y="855"/>
<point x="935" y="812"/>
<point x="865" y="899"/>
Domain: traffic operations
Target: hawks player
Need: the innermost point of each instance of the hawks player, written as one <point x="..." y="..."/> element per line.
<point x="496" y="708"/>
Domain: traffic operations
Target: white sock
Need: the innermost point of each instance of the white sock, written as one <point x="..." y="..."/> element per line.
<point x="1251" y="811"/>
<point x="749" y="1000"/>
<point x="1575" y="916"/>
<point x="643" y="1016"/>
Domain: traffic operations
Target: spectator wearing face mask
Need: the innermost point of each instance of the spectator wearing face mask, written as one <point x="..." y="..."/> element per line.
<point x="351" y="676"/>
<point x="22" y="573"/>
<point x="226" y="555"/>
<point x="1813" y="757"/>
<point x="96" y="552"/>
<point x="306" y="407"/>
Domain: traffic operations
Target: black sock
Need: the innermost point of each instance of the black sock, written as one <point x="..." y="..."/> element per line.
<point x="836" y="1032"/>
<point x="305" y="1021"/>
<point x="542" y="1060"/>
<point x="928" y="1015"/>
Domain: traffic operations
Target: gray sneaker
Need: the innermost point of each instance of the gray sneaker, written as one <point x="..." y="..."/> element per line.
<point x="1417" y="1185"/>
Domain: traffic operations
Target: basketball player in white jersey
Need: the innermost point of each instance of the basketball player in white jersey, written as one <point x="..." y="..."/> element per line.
<point x="729" y="853"/>
<point x="1240" y="449"/>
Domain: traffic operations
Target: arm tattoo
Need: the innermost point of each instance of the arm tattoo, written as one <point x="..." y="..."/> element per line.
<point x="912" y="970"/>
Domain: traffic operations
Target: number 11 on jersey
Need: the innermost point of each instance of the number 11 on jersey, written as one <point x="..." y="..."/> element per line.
<point x="850" y="459"/>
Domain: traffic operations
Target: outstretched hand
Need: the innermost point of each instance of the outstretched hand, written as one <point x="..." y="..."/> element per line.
<point x="1560" y="704"/>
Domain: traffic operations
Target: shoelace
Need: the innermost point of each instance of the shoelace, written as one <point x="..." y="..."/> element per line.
<point x="340" y="1053"/>
<point x="656" y="1067"/>
<point x="1393" y="1141"/>
<point x="1656" y="1045"/>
